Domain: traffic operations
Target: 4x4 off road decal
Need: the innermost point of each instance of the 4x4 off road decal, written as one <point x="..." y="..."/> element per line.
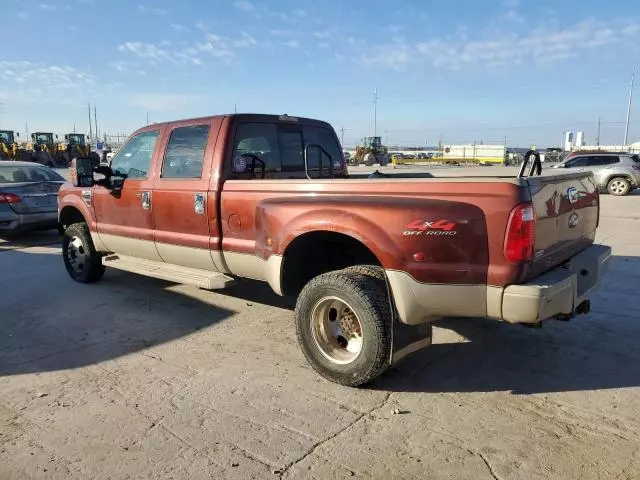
<point x="435" y="228"/>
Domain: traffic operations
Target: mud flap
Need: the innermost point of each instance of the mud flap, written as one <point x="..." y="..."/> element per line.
<point x="408" y="339"/>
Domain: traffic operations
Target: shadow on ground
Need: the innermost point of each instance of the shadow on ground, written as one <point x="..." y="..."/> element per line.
<point x="597" y="351"/>
<point x="29" y="239"/>
<point x="49" y="322"/>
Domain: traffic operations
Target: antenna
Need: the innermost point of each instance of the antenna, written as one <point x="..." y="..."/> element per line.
<point x="90" y="127"/>
<point x="95" y="118"/>
<point x="626" y="127"/>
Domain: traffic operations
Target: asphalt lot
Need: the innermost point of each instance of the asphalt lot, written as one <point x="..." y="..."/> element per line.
<point x="139" y="378"/>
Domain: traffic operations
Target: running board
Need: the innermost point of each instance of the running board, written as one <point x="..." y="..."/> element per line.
<point x="166" y="271"/>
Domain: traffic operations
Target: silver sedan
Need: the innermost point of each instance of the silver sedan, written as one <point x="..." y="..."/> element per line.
<point x="28" y="197"/>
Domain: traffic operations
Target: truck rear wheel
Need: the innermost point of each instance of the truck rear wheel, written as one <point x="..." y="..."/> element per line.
<point x="82" y="261"/>
<point x="343" y="324"/>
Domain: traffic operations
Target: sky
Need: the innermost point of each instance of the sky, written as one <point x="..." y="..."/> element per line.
<point x="457" y="70"/>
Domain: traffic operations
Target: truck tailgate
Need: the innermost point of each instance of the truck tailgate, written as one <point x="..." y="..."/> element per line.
<point x="566" y="214"/>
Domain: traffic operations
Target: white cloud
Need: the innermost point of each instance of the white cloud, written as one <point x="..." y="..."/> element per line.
<point x="322" y="34"/>
<point x="300" y="13"/>
<point x="281" y="33"/>
<point x="292" y="44"/>
<point x="245" y="5"/>
<point x="165" y="101"/>
<point x="514" y="16"/>
<point x="33" y="82"/>
<point x="23" y="15"/>
<point x="47" y="7"/>
<point x="151" y="10"/>
<point x="541" y="45"/>
<point x="244" y="41"/>
<point x="178" y="27"/>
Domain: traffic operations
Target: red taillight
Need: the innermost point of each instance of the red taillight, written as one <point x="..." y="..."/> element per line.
<point x="520" y="239"/>
<point x="9" y="198"/>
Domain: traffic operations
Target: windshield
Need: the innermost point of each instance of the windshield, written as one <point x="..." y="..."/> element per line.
<point x="28" y="173"/>
<point x="76" y="139"/>
<point x="6" y="137"/>
<point x="44" y="138"/>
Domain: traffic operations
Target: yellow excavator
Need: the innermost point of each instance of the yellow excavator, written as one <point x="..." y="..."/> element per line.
<point x="9" y="148"/>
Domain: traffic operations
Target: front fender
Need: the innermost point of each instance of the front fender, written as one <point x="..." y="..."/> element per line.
<point x="72" y="197"/>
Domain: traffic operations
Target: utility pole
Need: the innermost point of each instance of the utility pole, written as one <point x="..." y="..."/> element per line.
<point x="90" y="127"/>
<point x="598" y="139"/>
<point x="235" y="108"/>
<point x="95" y="118"/>
<point x="147" y="118"/>
<point x="342" y="136"/>
<point x="626" y="128"/>
<point x="375" y="112"/>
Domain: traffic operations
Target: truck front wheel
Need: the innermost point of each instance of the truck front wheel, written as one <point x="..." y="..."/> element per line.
<point x="82" y="261"/>
<point x="343" y="324"/>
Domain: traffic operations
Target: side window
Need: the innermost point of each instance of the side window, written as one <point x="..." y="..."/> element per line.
<point x="185" y="152"/>
<point x="133" y="160"/>
<point x="578" y="162"/>
<point x="258" y="141"/>
<point x="608" y="160"/>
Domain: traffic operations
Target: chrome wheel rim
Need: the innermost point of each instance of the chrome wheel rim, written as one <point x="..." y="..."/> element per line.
<point x="76" y="255"/>
<point x="618" y="187"/>
<point x="336" y="330"/>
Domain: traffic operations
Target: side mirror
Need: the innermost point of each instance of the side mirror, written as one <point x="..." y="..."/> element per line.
<point x="56" y="137"/>
<point x="82" y="172"/>
<point x="17" y="135"/>
<point x="66" y="137"/>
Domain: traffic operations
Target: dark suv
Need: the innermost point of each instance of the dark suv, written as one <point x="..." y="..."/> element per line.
<point x="617" y="173"/>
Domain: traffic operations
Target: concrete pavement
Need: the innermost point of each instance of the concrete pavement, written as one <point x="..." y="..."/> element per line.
<point x="139" y="378"/>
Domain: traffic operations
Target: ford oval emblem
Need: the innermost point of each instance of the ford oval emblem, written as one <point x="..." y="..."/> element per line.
<point x="572" y="194"/>
<point x="573" y="220"/>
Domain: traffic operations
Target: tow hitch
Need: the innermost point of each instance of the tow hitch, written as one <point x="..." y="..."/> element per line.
<point x="582" y="309"/>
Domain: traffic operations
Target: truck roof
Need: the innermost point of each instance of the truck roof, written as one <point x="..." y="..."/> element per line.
<point x="246" y="117"/>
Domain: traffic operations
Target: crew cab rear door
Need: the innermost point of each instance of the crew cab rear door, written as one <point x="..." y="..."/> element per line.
<point x="184" y="208"/>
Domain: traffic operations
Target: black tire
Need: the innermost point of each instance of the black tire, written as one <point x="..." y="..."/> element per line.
<point x="65" y="160"/>
<point x="369" y="270"/>
<point x="77" y="239"/>
<point x="619" y="186"/>
<point x="3" y="156"/>
<point x="367" y="297"/>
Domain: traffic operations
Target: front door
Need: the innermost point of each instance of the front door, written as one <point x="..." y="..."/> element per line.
<point x="184" y="210"/>
<point x="124" y="218"/>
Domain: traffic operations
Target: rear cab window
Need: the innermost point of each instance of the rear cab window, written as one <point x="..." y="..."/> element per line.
<point x="280" y="149"/>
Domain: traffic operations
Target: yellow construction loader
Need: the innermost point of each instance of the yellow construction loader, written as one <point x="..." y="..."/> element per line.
<point x="369" y="152"/>
<point x="9" y="148"/>
<point x="42" y="149"/>
<point x="75" y="146"/>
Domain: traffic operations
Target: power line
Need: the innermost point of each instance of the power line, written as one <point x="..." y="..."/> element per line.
<point x="626" y="127"/>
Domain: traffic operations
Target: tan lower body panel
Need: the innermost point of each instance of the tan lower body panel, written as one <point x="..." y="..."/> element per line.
<point x="557" y="292"/>
<point x="237" y="264"/>
<point x="418" y="302"/>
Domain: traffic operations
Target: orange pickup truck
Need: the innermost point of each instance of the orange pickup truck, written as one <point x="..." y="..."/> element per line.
<point x="373" y="260"/>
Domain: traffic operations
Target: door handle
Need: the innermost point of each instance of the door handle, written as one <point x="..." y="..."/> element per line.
<point x="146" y="200"/>
<point x="199" y="203"/>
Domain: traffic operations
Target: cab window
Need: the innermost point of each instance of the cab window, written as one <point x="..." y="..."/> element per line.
<point x="184" y="156"/>
<point x="282" y="148"/>
<point x="133" y="160"/>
